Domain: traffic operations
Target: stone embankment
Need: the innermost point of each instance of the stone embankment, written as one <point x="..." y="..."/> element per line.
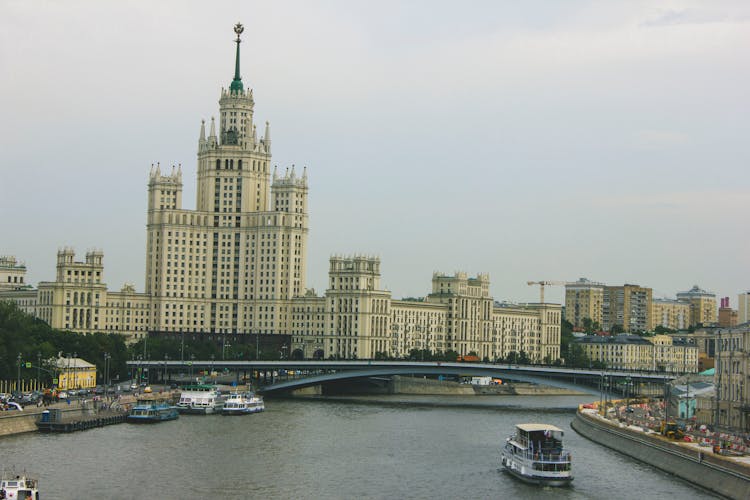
<point x="725" y="476"/>
<point x="19" y="422"/>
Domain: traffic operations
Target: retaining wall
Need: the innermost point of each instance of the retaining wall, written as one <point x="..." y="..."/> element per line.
<point x="18" y="422"/>
<point x="714" y="473"/>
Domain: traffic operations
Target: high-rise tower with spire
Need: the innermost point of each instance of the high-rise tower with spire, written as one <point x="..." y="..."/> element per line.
<point x="232" y="265"/>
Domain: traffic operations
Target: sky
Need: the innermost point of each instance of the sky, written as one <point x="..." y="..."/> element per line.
<point x="537" y="140"/>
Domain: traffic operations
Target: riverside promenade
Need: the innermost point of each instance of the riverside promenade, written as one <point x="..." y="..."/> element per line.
<point x="693" y="461"/>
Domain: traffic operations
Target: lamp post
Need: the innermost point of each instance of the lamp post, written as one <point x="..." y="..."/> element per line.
<point x="192" y="359"/>
<point x="38" y="369"/>
<point x="627" y="394"/>
<point x="18" y="382"/>
<point x="182" y="347"/>
<point x="164" y="377"/>
<point x="75" y="373"/>
<point x="107" y="356"/>
<point x="257" y="346"/>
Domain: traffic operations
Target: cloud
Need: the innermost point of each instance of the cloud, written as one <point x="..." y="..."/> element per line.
<point x="674" y="17"/>
<point x="659" y="139"/>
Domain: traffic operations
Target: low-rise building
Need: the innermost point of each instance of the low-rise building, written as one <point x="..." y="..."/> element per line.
<point x="74" y="373"/>
<point x="633" y="352"/>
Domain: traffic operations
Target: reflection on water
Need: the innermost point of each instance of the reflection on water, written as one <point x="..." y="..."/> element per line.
<point x="372" y="447"/>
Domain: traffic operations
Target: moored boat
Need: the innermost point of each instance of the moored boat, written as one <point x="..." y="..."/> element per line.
<point x="149" y="412"/>
<point x="200" y="399"/>
<point x="243" y="403"/>
<point x="19" y="487"/>
<point x="535" y="455"/>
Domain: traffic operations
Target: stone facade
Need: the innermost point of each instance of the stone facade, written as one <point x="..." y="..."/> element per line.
<point x="632" y="352"/>
<point x="628" y="306"/>
<point x="743" y="308"/>
<point x="672" y="314"/>
<point x="584" y="299"/>
<point x="730" y="377"/>
<point x="702" y="306"/>
<point x="12" y="274"/>
<point x="356" y="318"/>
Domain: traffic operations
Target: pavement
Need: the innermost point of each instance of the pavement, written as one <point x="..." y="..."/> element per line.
<point x="647" y="417"/>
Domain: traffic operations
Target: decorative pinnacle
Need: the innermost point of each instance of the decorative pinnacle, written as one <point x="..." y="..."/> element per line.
<point x="238" y="28"/>
<point x="236" y="85"/>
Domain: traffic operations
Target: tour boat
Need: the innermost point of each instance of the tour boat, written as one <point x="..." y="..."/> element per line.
<point x="241" y="404"/>
<point x="149" y="412"/>
<point x="19" y="487"/>
<point x="200" y="399"/>
<point x="535" y="455"/>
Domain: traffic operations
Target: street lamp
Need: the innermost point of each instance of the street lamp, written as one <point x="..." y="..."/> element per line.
<point x="18" y="382"/>
<point x="107" y="357"/>
<point x="75" y="372"/>
<point x="627" y="394"/>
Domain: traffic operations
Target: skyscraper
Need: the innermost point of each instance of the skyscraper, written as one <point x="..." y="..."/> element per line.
<point x="232" y="264"/>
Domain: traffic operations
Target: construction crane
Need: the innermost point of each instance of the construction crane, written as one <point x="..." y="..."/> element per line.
<point x="542" y="284"/>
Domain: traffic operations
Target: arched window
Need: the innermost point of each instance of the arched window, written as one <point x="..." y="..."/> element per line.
<point x="218" y="164"/>
<point x="239" y="164"/>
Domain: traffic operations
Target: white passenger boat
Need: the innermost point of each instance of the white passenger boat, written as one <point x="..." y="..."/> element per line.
<point x="200" y="399"/>
<point x="243" y="403"/>
<point x="535" y="455"/>
<point x="19" y="487"/>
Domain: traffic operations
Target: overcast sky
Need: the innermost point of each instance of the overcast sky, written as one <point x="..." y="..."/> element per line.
<point x="536" y="140"/>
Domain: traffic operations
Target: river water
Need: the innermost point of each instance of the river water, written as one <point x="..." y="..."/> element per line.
<point x="384" y="447"/>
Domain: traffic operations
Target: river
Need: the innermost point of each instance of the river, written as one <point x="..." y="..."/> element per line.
<point x="377" y="447"/>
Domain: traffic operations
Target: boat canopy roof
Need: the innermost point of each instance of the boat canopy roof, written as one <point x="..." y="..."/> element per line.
<point x="538" y="427"/>
<point x="199" y="387"/>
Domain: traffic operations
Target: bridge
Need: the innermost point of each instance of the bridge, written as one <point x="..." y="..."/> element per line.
<point x="312" y="373"/>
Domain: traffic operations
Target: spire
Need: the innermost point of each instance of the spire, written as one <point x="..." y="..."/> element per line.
<point x="203" y="131"/>
<point x="267" y="138"/>
<point x="236" y="85"/>
<point x="213" y="128"/>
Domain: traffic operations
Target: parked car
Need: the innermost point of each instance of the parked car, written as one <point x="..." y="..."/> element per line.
<point x="62" y="395"/>
<point x="147" y="389"/>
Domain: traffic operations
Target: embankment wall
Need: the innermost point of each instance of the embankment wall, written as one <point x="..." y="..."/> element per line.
<point x="18" y="422"/>
<point x="714" y="473"/>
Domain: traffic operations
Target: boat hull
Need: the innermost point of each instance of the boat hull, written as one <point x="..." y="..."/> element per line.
<point x="539" y="480"/>
<point x="151" y="415"/>
<point x="241" y="411"/>
<point x="524" y="470"/>
<point x="200" y="410"/>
